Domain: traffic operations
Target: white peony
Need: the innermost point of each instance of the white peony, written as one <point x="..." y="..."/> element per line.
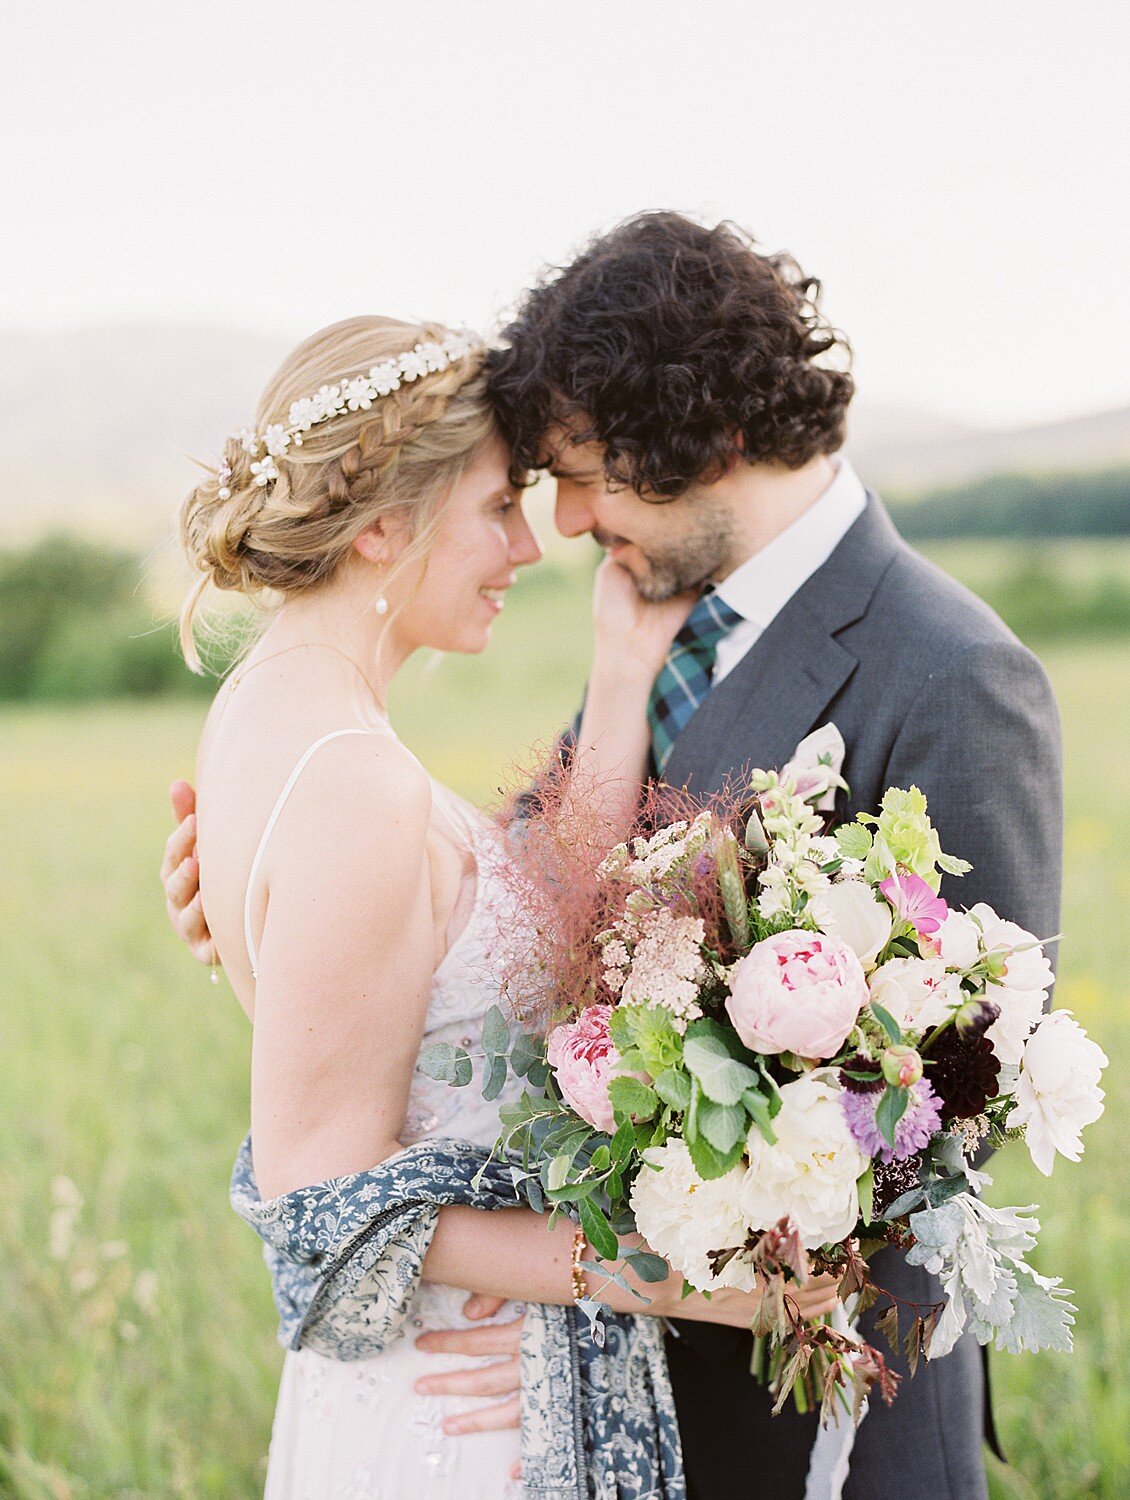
<point x="849" y="911"/>
<point x="917" y="992"/>
<point x="1023" y="987"/>
<point x="682" y="1217"/>
<point x="812" y="1171"/>
<point x="1058" y="1091"/>
<point x="959" y="940"/>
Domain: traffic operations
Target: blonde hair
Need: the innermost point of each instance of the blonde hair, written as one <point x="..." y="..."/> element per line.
<point x="404" y="454"/>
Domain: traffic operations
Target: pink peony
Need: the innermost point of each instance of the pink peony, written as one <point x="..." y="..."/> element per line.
<point x="797" y="992"/>
<point x="584" y="1062"/>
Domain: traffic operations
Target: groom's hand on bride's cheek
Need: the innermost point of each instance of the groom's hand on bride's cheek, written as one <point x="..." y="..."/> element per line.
<point x="180" y="875"/>
<point x="500" y="1378"/>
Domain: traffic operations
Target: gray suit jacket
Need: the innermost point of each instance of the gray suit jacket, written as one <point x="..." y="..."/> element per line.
<point x="928" y="687"/>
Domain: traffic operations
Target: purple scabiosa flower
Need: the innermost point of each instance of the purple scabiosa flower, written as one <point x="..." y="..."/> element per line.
<point x="920" y="1121"/>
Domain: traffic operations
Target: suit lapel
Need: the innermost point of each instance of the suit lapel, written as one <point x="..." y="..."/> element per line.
<point x="777" y="693"/>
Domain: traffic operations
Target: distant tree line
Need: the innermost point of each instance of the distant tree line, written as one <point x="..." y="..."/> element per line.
<point x="1020" y="505"/>
<point x="75" y="623"/>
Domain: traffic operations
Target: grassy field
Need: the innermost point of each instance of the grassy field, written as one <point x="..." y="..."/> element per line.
<point x="137" y="1353"/>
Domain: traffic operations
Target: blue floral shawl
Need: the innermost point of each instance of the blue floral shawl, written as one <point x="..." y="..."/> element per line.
<point x="345" y="1256"/>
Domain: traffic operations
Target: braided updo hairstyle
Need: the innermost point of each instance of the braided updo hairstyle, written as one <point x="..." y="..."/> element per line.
<point x="402" y="454"/>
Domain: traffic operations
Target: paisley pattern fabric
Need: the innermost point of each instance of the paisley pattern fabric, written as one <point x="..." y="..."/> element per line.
<point x="598" y="1421"/>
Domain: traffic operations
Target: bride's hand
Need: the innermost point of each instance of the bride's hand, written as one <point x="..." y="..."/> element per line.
<point x="736" y="1309"/>
<point x="632" y="633"/>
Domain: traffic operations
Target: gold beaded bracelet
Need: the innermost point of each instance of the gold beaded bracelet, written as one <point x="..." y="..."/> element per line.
<point x="580" y="1283"/>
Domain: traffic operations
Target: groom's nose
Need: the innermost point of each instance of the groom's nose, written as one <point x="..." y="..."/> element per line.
<point x="573" y="512"/>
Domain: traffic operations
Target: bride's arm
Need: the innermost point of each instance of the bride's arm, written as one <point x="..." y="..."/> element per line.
<point x="631" y="640"/>
<point x="513" y="1254"/>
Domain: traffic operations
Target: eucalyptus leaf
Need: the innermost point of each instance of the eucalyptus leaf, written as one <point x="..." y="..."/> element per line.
<point x="557" y="1172"/>
<point x="496" y="1032"/>
<point x="494" y="1078"/>
<point x="648" y="1267"/>
<point x="755" y="839"/>
<point x="446" y="1064"/>
<point x="943" y="1188"/>
<point x="538" y="1074"/>
<point x="526" y="1051"/>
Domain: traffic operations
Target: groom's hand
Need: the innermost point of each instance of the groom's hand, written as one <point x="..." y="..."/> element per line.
<point x="180" y="875"/>
<point x="499" y="1378"/>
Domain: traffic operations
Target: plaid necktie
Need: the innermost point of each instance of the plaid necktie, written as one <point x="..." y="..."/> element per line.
<point x="685" y="679"/>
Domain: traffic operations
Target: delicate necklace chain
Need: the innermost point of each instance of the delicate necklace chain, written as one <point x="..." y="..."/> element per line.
<point x="238" y="676"/>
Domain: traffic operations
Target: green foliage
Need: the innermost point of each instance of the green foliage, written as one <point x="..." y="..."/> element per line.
<point x="446" y="1063"/>
<point x="632" y="1100"/>
<point x="648" y="1030"/>
<point x="854" y="840"/>
<point x="721" y="1077"/>
<point x="75" y="626"/>
<point x="904" y="836"/>
<point x="887" y="1022"/>
<point x="891" y="1108"/>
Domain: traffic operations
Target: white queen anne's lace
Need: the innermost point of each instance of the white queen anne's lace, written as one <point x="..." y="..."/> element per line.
<point x="357" y="393"/>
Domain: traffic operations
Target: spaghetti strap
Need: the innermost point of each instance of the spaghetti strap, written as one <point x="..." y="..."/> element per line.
<point x="271" y="821"/>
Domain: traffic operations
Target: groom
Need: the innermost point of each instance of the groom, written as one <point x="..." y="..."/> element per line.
<point x="682" y="388"/>
<point x="690" y="400"/>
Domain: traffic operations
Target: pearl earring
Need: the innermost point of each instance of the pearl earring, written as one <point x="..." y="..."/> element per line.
<point x="381" y="605"/>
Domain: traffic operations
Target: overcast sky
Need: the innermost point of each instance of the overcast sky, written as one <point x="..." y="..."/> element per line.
<point x="955" y="173"/>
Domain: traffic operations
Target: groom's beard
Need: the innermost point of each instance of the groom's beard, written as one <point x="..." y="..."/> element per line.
<point x="704" y="554"/>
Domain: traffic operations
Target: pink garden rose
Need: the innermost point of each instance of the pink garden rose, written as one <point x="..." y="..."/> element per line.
<point x="584" y="1062"/>
<point x="797" y="992"/>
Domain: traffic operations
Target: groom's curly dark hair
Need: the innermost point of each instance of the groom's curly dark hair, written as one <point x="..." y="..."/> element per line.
<point x="672" y="345"/>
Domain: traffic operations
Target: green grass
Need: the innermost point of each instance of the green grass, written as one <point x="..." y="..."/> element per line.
<point x="124" y="1071"/>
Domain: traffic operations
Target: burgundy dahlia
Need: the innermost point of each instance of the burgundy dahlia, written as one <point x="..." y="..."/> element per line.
<point x="963" y="1071"/>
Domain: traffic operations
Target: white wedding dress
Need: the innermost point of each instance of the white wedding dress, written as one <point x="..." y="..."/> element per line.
<point x="358" y="1430"/>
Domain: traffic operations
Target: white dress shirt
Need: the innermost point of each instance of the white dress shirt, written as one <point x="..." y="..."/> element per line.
<point x="761" y="587"/>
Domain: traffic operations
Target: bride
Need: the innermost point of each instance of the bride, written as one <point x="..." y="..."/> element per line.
<point x="353" y="901"/>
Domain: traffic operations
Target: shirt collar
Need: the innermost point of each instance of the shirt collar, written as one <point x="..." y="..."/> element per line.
<point x="761" y="586"/>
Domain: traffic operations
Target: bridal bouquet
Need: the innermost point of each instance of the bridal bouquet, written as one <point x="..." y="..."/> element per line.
<point x="787" y="1051"/>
